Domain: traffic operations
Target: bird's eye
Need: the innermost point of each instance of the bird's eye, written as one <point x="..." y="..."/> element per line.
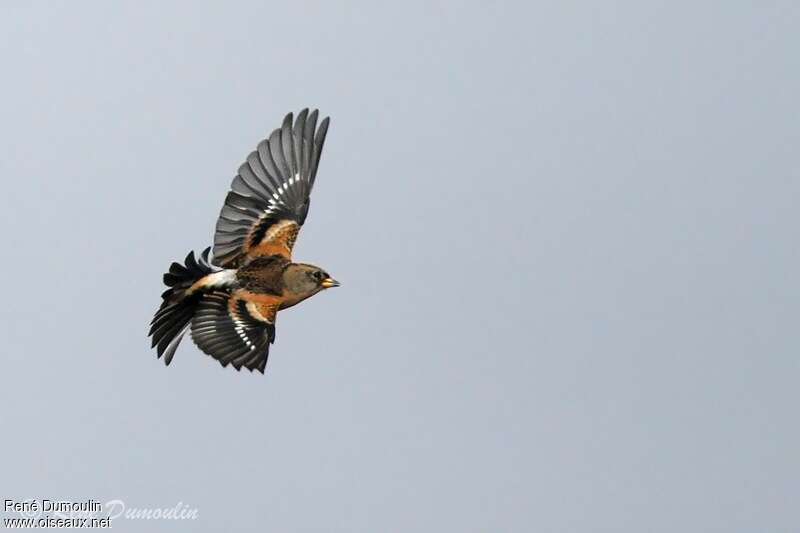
<point x="319" y="276"/>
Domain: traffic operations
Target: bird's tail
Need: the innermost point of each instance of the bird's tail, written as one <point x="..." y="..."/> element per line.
<point x="179" y="303"/>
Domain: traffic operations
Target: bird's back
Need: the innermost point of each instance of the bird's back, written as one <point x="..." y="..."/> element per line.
<point x="263" y="275"/>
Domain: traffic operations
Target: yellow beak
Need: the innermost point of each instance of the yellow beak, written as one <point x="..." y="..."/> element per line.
<point x="330" y="282"/>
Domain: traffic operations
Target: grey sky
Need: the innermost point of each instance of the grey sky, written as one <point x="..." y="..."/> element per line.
<point x="566" y="233"/>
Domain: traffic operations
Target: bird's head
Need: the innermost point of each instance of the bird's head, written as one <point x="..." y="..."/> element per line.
<point x="303" y="281"/>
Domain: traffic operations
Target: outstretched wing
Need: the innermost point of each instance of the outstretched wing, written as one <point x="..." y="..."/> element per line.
<point x="234" y="331"/>
<point x="269" y="197"/>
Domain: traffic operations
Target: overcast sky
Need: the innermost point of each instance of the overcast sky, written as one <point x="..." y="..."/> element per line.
<point x="566" y="233"/>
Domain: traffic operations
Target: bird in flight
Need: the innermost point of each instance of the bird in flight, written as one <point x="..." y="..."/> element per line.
<point x="230" y="301"/>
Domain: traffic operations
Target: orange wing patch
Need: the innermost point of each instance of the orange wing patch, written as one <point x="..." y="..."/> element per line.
<point x="279" y="240"/>
<point x="263" y="312"/>
<point x="262" y="307"/>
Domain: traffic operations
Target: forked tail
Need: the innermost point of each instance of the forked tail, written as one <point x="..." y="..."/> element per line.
<point x="180" y="301"/>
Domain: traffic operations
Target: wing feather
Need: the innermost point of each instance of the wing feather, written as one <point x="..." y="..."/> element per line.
<point x="225" y="329"/>
<point x="272" y="188"/>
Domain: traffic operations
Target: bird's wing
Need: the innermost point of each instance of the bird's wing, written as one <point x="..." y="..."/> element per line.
<point x="269" y="197"/>
<point x="234" y="331"/>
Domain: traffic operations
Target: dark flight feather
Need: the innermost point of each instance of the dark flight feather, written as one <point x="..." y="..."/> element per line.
<point x="172" y="319"/>
<point x="272" y="185"/>
<point x="231" y="337"/>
